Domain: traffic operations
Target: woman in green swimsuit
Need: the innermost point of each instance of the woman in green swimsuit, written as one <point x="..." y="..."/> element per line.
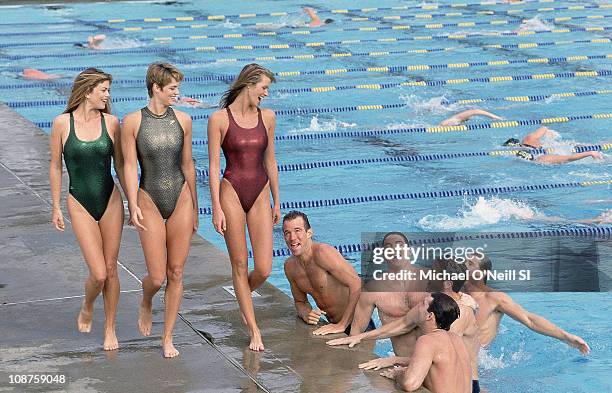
<point x="88" y="137"/>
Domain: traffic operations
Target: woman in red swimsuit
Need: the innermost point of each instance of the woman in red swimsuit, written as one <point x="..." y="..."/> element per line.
<point x="246" y="135"/>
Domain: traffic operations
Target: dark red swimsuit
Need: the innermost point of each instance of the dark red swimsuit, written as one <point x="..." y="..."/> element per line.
<point x="244" y="150"/>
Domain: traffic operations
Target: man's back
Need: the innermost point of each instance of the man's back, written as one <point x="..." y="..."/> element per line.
<point x="450" y="371"/>
<point x="466" y="327"/>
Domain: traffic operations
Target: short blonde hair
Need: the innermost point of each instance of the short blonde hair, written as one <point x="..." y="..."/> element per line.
<point x="162" y="74"/>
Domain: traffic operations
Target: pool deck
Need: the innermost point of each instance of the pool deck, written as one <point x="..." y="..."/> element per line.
<point x="41" y="287"/>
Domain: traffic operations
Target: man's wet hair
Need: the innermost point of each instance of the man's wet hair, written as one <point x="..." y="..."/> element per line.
<point x="451" y="267"/>
<point x="328" y="21"/>
<point x="445" y="309"/>
<point x="293" y="214"/>
<point x="512" y="142"/>
<point x="397" y="234"/>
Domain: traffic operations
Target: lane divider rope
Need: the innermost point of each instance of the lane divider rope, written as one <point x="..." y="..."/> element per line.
<point x="577" y="231"/>
<point x="203" y="173"/>
<point x="235" y="47"/>
<point x="381" y="86"/>
<point x="283" y="13"/>
<point x="451" y="36"/>
<point x="352" y="200"/>
<point x="327" y="72"/>
<point x="362" y="19"/>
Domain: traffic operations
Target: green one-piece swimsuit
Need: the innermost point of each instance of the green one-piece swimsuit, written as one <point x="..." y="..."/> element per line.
<point x="89" y="169"/>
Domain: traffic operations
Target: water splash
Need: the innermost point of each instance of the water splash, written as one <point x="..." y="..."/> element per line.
<point x="120" y="43"/>
<point x="489" y="361"/>
<point x="535" y="24"/>
<point x="435" y="105"/>
<point x="486" y="211"/>
<point x="317" y="125"/>
<point x="228" y="24"/>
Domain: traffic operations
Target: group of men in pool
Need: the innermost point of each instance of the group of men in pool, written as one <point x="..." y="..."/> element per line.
<point x="437" y="327"/>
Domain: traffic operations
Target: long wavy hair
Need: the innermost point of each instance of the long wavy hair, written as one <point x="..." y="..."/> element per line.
<point x="250" y="75"/>
<point x="84" y="83"/>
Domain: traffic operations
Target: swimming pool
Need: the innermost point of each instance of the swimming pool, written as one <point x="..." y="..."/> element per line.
<point x="395" y="77"/>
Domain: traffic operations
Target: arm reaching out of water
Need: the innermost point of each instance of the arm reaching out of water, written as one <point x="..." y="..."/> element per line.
<point x="461" y="117"/>
<point x="538" y="324"/>
<point x="396" y="328"/>
<point x="562" y="159"/>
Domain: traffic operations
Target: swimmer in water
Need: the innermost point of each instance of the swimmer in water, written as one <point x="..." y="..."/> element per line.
<point x="315" y="21"/>
<point x="533" y="141"/>
<point x="93" y="42"/>
<point x="31" y="73"/>
<point x="493" y="305"/>
<point x="464" y="116"/>
<point x="193" y="103"/>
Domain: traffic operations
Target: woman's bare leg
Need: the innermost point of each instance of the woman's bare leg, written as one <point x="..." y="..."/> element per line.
<point x="179" y="231"/>
<point x="153" y="242"/>
<point x="235" y="239"/>
<point x="88" y="235"/>
<point x="259" y="222"/>
<point x="111" y="227"/>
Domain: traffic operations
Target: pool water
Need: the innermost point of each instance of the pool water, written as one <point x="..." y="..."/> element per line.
<point x="558" y="53"/>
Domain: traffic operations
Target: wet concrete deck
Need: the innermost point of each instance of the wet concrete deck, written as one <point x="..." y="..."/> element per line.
<point x="41" y="285"/>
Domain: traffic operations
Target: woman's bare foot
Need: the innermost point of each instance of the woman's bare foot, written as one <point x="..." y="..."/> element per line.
<point x="256" y="342"/>
<point x="110" y="340"/>
<point x="145" y="320"/>
<point x="169" y="350"/>
<point x="84" y="319"/>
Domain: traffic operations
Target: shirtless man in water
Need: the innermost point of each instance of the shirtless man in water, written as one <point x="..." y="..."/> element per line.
<point x="493" y="305"/>
<point x="465" y="325"/>
<point x="533" y="140"/>
<point x="441" y="362"/>
<point x="393" y="299"/>
<point x="319" y="270"/>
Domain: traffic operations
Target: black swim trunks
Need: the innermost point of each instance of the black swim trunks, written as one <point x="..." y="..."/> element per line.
<point x="371" y="326"/>
<point x="475" y="386"/>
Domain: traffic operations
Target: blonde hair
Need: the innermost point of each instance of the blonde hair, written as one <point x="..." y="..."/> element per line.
<point x="250" y="75"/>
<point x="162" y="74"/>
<point x="84" y="84"/>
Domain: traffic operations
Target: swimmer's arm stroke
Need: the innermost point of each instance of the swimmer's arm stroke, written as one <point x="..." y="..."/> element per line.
<point x="413" y="376"/>
<point x="187" y="163"/>
<point x="562" y="159"/>
<point x="395" y="328"/>
<point x="130" y="166"/>
<point x="270" y="162"/>
<point x="334" y="263"/>
<point x="215" y="124"/>
<point x="538" y="324"/>
<point x="55" y="170"/>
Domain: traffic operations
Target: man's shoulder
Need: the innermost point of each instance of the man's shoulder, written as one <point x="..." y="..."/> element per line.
<point x="290" y="263"/>
<point x="323" y="250"/>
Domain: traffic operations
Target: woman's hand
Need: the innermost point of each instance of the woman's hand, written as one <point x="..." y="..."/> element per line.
<point x="276" y="214"/>
<point x="196" y="221"/>
<point x="135" y="218"/>
<point x="57" y="219"/>
<point x="218" y="220"/>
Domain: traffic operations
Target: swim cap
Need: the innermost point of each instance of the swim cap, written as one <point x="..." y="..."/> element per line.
<point x="512" y="142"/>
